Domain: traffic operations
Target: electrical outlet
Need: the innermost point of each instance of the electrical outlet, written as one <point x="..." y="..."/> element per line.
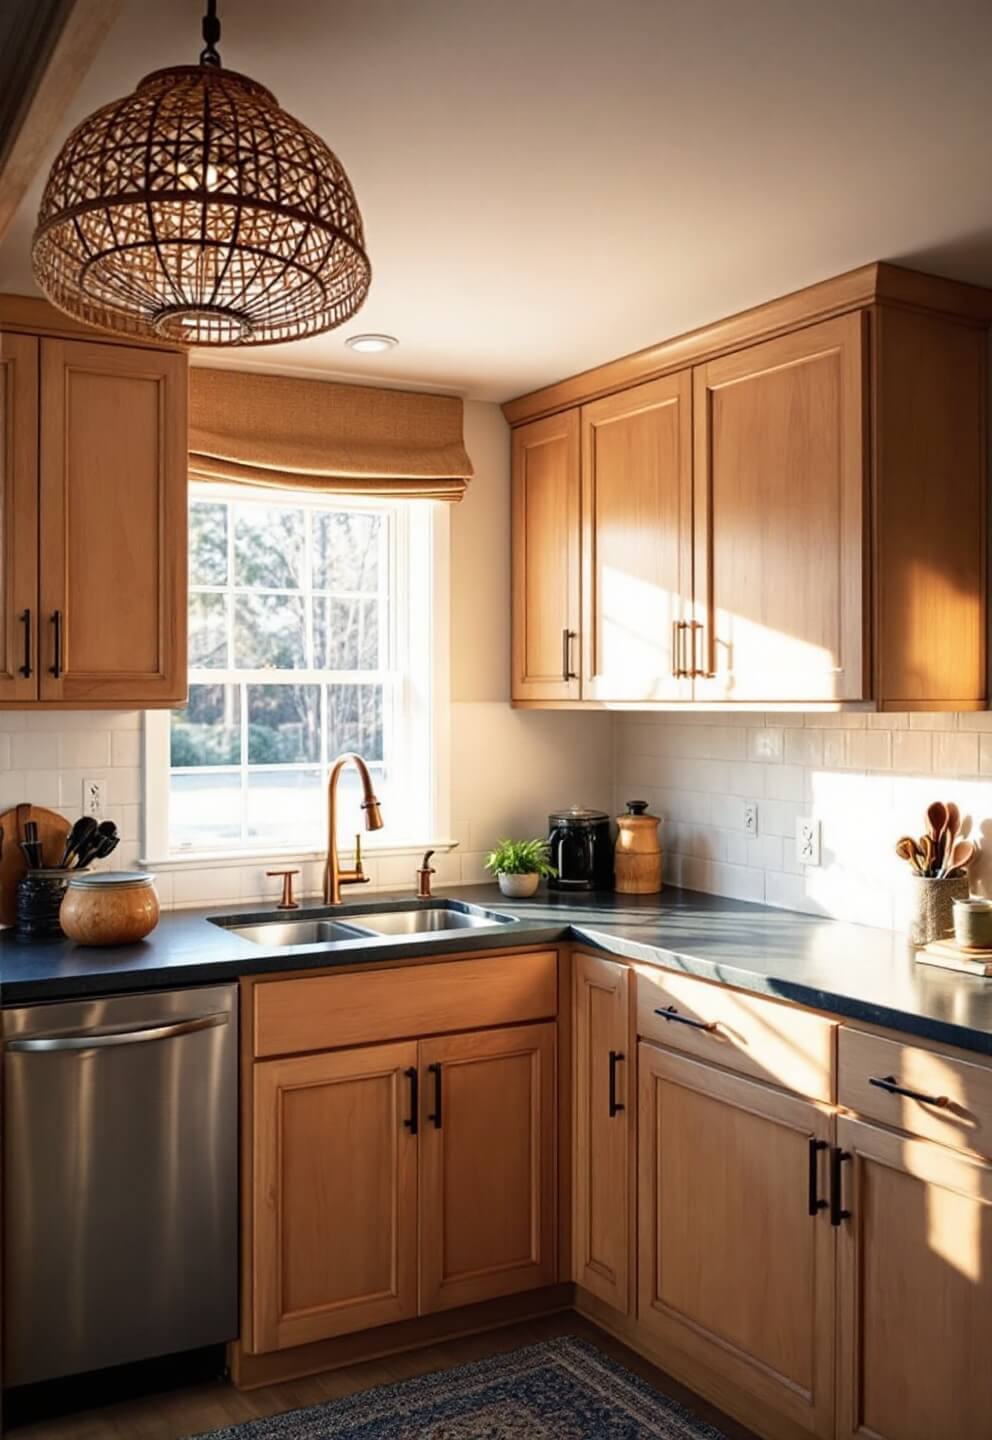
<point x="93" y="798"/>
<point x="808" y="840"/>
<point x="750" y="818"/>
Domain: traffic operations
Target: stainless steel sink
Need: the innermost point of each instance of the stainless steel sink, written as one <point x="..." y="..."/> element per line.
<point x="298" y="932"/>
<point x="277" y="930"/>
<point x="428" y="921"/>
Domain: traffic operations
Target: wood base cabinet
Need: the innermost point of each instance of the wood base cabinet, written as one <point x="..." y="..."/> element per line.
<point x="915" y="1289"/>
<point x="334" y="1245"/>
<point x="487" y="1170"/>
<point x="398" y="1180"/>
<point x="603" y="1116"/>
<point x="736" y="1249"/>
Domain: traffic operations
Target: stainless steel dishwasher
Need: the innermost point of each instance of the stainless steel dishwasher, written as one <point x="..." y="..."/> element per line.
<point x="120" y="1169"/>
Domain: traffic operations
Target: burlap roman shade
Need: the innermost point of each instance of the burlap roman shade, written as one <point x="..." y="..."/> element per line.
<point x="318" y="435"/>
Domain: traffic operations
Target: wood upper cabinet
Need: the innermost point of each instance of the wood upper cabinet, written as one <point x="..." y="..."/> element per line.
<point x="113" y="524"/>
<point x="636" y="541"/>
<point x="334" y="1206"/>
<point x="780" y="523"/>
<point x="603" y="1110"/>
<point x="545" y="504"/>
<point x="734" y="1271"/>
<point x="18" y="517"/>
<point x="915" y="1289"/>
<point x="487" y="1165"/>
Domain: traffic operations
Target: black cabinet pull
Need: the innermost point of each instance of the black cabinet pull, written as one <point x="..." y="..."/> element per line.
<point x="815" y="1203"/>
<point x="567" y="673"/>
<point x="837" y="1211"/>
<point x="56" y="667"/>
<point x="615" y="1106"/>
<point x="435" y="1115"/>
<point x="670" y="1013"/>
<point x="890" y="1084"/>
<point x="414" y="1079"/>
<point x="26" y="622"/>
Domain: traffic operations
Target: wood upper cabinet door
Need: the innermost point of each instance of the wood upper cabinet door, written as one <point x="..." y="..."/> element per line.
<point x="915" y="1289"/>
<point x="736" y="1274"/>
<point x="546" y="559"/>
<point x="334" y="1224"/>
<point x="113" y="524"/>
<point x="780" y="525"/>
<point x="487" y="1165"/>
<point x="601" y="1159"/>
<point x="636" y="541"/>
<point x="18" y="517"/>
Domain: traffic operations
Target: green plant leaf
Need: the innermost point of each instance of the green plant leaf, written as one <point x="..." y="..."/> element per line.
<point x="521" y="857"/>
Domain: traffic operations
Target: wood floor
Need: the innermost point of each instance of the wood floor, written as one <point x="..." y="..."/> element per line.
<point x="209" y="1406"/>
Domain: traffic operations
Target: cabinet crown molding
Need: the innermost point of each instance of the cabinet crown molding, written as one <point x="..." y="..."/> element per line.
<point x="878" y="283"/>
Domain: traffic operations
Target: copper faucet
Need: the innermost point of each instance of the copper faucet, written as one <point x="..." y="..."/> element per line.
<point x="334" y="876"/>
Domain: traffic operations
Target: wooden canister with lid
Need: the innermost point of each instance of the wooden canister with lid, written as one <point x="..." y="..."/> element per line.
<point x="637" y="859"/>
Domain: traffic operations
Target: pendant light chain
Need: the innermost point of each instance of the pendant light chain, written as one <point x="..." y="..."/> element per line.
<point x="211" y="34"/>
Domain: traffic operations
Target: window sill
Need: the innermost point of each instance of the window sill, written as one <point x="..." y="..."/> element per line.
<point x="230" y="859"/>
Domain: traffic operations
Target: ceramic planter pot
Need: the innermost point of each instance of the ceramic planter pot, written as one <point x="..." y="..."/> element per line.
<point x="518" y="887"/>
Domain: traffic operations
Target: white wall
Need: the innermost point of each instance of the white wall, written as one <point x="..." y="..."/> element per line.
<point x="507" y="768"/>
<point x="868" y="778"/>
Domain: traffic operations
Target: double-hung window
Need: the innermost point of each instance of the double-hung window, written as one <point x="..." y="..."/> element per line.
<point x="311" y="633"/>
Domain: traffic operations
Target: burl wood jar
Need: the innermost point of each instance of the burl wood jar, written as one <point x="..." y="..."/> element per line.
<point x="637" y="860"/>
<point x="111" y="907"/>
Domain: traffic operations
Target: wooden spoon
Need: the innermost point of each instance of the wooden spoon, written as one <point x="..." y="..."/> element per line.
<point x="961" y="856"/>
<point x="953" y="823"/>
<point x="907" y="849"/>
<point x="937" y="823"/>
<point x="928" y="851"/>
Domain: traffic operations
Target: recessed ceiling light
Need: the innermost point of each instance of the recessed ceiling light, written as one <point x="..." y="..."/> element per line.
<point x="371" y="344"/>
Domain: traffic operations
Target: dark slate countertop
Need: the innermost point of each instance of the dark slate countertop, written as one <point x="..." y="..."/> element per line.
<point x="848" y="970"/>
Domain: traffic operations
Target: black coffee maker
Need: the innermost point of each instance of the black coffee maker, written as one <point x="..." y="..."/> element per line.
<point x="581" y="849"/>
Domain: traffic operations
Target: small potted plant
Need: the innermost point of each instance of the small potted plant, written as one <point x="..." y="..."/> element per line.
<point x="520" y="866"/>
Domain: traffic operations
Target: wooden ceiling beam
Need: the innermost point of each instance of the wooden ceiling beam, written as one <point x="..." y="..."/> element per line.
<point x="48" y="46"/>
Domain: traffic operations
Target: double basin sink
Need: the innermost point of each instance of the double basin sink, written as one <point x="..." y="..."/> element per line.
<point x="402" y="921"/>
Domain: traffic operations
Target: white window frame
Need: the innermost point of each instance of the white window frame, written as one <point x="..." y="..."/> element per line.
<point x="421" y="642"/>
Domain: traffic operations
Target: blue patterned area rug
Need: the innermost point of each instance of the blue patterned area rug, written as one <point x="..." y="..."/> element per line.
<point x="562" y="1389"/>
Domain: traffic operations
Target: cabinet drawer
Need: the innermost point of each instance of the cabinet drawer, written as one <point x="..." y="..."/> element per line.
<point x="324" y="1012"/>
<point x="951" y="1100"/>
<point x="781" y="1044"/>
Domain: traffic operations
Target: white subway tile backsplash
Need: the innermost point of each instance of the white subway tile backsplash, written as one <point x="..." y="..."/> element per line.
<point x="34" y="750"/>
<point x="955" y="753"/>
<point x="87" y="749"/>
<point x="867" y="778"/>
<point x="125" y="748"/>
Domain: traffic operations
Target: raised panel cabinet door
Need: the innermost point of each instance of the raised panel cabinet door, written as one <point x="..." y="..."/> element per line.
<point x="601" y="1160"/>
<point x="334" y="1214"/>
<point x="545" y="559"/>
<point x="780" y="526"/>
<point x="637" y="542"/>
<point x="915" y="1289"/>
<point x="487" y="1165"/>
<point x="18" y="518"/>
<point x="736" y="1249"/>
<point x="113" y="524"/>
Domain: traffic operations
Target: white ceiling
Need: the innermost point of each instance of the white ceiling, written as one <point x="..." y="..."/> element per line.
<point x="547" y="184"/>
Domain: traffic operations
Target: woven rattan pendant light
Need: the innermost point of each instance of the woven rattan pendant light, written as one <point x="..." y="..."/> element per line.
<point x="197" y="210"/>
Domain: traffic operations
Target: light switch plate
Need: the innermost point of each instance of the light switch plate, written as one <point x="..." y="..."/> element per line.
<point x="750" y="817"/>
<point x="808" y="840"/>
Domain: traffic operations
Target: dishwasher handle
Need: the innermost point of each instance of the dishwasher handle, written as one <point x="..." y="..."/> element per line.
<point x="86" y="1040"/>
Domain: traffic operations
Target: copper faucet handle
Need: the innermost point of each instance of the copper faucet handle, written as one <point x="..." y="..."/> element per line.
<point x="424" y="877"/>
<point x="287" y="902"/>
